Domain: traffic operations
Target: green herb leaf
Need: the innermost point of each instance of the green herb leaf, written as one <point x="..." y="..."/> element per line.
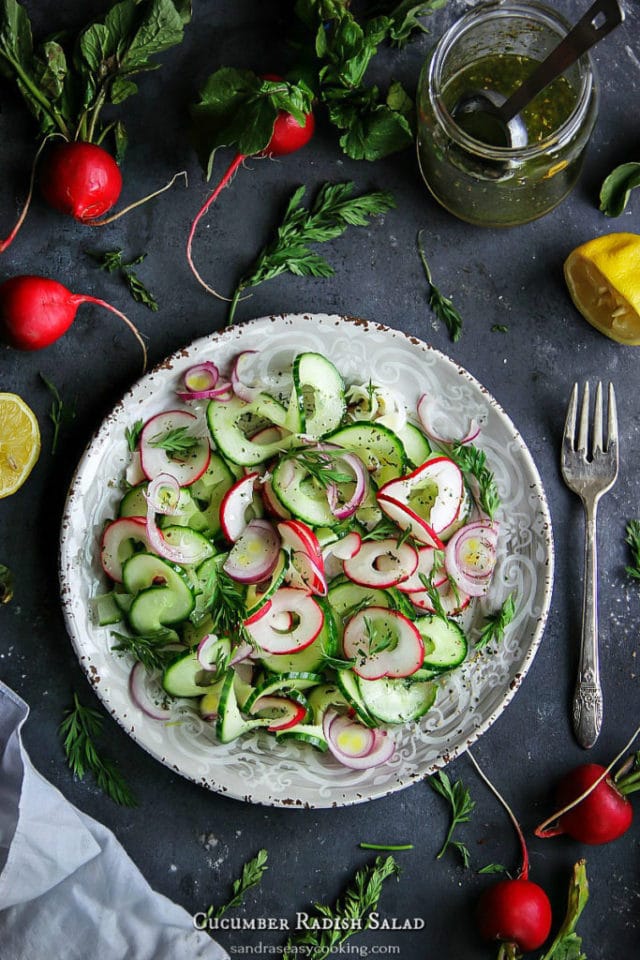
<point x="496" y="623"/>
<point x="491" y="868"/>
<point x="442" y="306"/>
<point x="633" y="539"/>
<point x="177" y="442"/>
<point x="567" y="945"/>
<point x="79" y="730"/>
<point x="349" y="914"/>
<point x="473" y="461"/>
<point x="132" y="434"/>
<point x="320" y="467"/>
<point x="59" y="414"/>
<point x="385" y="846"/>
<point x="332" y="211"/>
<point x="6" y="584"/>
<point x="251" y="876"/>
<point x="461" y="805"/>
<point x="617" y="187"/>
<point x="149" y="649"/>
<point x="238" y="109"/>
<point x="112" y="261"/>
<point x="499" y="328"/>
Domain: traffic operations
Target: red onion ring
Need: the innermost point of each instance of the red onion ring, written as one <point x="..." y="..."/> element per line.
<point x="381" y="749"/>
<point x="141" y="696"/>
<point x="425" y="415"/>
<point x="473" y="578"/>
<point x="240" y="388"/>
<point x="155" y="494"/>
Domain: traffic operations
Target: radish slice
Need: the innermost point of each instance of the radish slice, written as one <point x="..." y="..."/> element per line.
<point x="382" y="643"/>
<point x="406" y="519"/>
<point x="452" y="601"/>
<point x="296" y="535"/>
<point x="307" y="622"/>
<point x="470" y="557"/>
<point x="436" y="514"/>
<point x="345" y="743"/>
<point x="305" y="573"/>
<point x="143" y="698"/>
<point x="271" y="502"/>
<point x="155" y="460"/>
<point x="240" y="388"/>
<point x="134" y="473"/>
<point x="184" y="556"/>
<point x="255" y="553"/>
<point x="427" y="413"/>
<point x="430" y="564"/>
<point x="288" y="711"/>
<point x="163" y="493"/>
<point x="337" y="551"/>
<point x="116" y="548"/>
<point x="235" y="504"/>
<point x="381" y="563"/>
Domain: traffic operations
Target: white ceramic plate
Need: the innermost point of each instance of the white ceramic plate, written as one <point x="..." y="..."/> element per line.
<point x="255" y="768"/>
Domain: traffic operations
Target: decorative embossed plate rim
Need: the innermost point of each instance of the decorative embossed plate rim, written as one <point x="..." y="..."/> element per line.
<point x="254" y="768"/>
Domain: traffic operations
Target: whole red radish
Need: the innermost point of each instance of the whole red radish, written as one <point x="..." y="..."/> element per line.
<point x="517" y="911"/>
<point x="286" y="133"/>
<point x="80" y="179"/>
<point x="37" y="311"/>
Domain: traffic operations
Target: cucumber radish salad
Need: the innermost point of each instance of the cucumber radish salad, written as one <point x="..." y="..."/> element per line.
<point x="297" y="561"/>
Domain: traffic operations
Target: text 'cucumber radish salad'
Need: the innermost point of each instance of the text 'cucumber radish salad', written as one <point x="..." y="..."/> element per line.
<point x="299" y="562"/>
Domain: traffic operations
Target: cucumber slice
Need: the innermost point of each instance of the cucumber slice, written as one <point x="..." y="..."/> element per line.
<point x="310" y="733"/>
<point x="377" y="446"/>
<point x="186" y="538"/>
<point x="416" y="445"/>
<point x="282" y="683"/>
<point x="230" y="723"/>
<point x="208" y="493"/>
<point x="445" y="642"/>
<point x="134" y="502"/>
<point x="350" y="689"/>
<point x="322" y="697"/>
<point x="258" y="594"/>
<point x="300" y="494"/>
<point x="318" y="393"/>
<point x="162" y="594"/>
<point x="184" y="676"/>
<point x="108" y="610"/>
<point x="397" y="701"/>
<point x="233" y="422"/>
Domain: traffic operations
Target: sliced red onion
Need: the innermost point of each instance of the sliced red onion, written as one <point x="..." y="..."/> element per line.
<point x="426" y="415"/>
<point x="473" y="573"/>
<point x="205" y="646"/>
<point x="142" y="696"/>
<point x="163" y="494"/>
<point x="361" y="477"/>
<point x="243" y="652"/>
<point x="202" y="376"/>
<point x="255" y="553"/>
<point x="159" y="545"/>
<point x="240" y="388"/>
<point x="223" y="391"/>
<point x="337" y="730"/>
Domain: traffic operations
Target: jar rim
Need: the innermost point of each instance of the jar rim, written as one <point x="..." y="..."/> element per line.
<point x="541" y="13"/>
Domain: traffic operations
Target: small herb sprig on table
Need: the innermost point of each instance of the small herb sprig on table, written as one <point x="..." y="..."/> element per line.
<point x="442" y="306"/>
<point x="60" y="412"/>
<point x="462" y="806"/>
<point x="350" y="914"/>
<point x="79" y="730"/>
<point x="112" y="261"/>
<point x="332" y="211"/>
<point x="252" y="873"/>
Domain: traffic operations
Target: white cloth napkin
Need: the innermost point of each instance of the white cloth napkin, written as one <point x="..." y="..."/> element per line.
<point x="67" y="887"/>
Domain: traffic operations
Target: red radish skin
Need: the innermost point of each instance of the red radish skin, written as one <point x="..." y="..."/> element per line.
<point x="287" y="137"/>
<point x="80" y="179"/>
<point x="601" y="817"/>
<point x="37" y="311"/>
<point x="515" y="911"/>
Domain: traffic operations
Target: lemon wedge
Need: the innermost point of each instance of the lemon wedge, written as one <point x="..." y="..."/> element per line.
<point x="603" y="277"/>
<point x="19" y="442"/>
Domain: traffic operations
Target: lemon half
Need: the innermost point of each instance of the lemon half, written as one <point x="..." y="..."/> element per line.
<point x="19" y="442"/>
<point x="603" y="277"/>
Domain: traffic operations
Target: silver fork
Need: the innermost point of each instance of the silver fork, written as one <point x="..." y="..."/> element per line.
<point x="589" y="472"/>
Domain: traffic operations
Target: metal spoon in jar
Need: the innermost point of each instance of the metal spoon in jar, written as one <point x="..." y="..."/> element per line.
<point x="487" y="116"/>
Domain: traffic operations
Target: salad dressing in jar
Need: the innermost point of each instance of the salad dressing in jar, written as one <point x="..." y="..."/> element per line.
<point x="495" y="47"/>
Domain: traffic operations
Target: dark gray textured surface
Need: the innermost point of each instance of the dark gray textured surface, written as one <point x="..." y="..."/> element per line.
<point x="191" y="844"/>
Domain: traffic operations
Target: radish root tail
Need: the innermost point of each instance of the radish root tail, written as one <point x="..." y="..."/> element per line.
<point x="138" y="203"/>
<point x="524" y="872"/>
<point x="4" y="244"/>
<point x="134" y="330"/>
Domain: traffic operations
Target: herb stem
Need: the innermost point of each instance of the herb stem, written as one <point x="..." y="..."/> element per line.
<point x="40" y="98"/>
<point x="385" y="846"/>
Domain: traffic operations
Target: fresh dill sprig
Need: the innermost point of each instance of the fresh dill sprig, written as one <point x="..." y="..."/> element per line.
<point x="60" y="412"/>
<point x="496" y="623"/>
<point x="441" y="305"/>
<point x="177" y="442"/>
<point x="461" y="805"/>
<point x="320" y="467"/>
<point x="79" y="730"/>
<point x="226" y="604"/>
<point x="332" y="211"/>
<point x="132" y="434"/>
<point x="251" y="876"/>
<point x="472" y="460"/>
<point x="149" y="649"/>
<point x="386" y="529"/>
<point x="112" y="261"/>
<point x="350" y="914"/>
<point x="633" y="540"/>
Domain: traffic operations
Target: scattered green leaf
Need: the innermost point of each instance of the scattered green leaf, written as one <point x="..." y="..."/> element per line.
<point x="385" y="846"/>
<point x="496" y="623"/>
<point x="332" y="211"/>
<point x="81" y="726"/>
<point x="633" y="539"/>
<point x="350" y="914"/>
<point x="150" y="649"/>
<point x="461" y="805"/>
<point x="6" y="584"/>
<point x="491" y="868"/>
<point x="60" y="412"/>
<point x="252" y="873"/>
<point x="616" y="188"/>
<point x="112" y="261"/>
<point x="132" y="434"/>
<point x="177" y="442"/>
<point x="473" y="461"/>
<point x="442" y="306"/>
<point x="499" y="328"/>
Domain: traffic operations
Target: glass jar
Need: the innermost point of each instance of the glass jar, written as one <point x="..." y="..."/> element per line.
<point x="496" y="45"/>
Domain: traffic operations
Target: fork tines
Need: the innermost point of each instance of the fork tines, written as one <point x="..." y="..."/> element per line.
<point x="598" y="444"/>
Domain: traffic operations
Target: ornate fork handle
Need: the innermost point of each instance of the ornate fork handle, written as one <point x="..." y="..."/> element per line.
<point x="587" y="698"/>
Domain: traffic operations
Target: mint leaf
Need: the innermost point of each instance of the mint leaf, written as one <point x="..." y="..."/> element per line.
<point x="617" y="187"/>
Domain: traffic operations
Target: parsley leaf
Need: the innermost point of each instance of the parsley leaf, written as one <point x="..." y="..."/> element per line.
<point x="461" y="805"/>
<point x="251" y="875"/>
<point x="112" y="261"/>
<point x="441" y="305"/>
<point x="78" y="731"/>
<point x="616" y="188"/>
<point x="332" y="211"/>
<point x="349" y="914"/>
<point x="496" y="623"/>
